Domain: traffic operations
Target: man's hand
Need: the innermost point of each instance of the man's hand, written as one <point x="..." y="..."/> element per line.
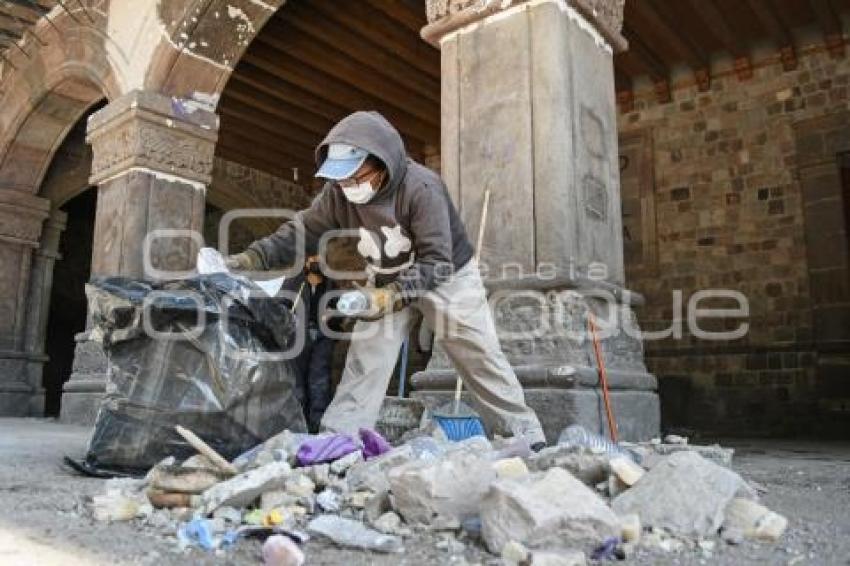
<point x="249" y="260"/>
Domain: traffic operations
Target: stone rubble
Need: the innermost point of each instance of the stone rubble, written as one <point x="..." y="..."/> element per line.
<point x="552" y="508"/>
<point x="685" y="494"/>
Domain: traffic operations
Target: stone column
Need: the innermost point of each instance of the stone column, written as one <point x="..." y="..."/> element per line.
<point x="529" y="112"/>
<point x="21" y="219"/>
<point x="41" y="284"/>
<point x="152" y="161"/>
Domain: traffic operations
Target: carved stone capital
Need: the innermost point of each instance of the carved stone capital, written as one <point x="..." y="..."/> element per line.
<point x="146" y="130"/>
<point x="21" y="217"/>
<point x="446" y="16"/>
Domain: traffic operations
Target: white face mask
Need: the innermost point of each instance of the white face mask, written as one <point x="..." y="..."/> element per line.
<point x="360" y="193"/>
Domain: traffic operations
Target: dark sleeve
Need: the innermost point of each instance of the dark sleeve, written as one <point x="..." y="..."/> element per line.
<point x="432" y="241"/>
<point x="279" y="249"/>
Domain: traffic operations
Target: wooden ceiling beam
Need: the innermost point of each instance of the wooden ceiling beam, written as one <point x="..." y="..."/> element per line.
<point x="265" y="141"/>
<point x="328" y="87"/>
<point x="377" y="55"/>
<point x="364" y="21"/>
<point x="288" y="129"/>
<point x="263" y="98"/>
<point x="659" y="23"/>
<point x="767" y="15"/>
<point x="272" y="111"/>
<point x="401" y="12"/>
<point x="652" y="63"/>
<point x="318" y="113"/>
<point x="299" y="47"/>
<point x="235" y="142"/>
<point x="713" y="19"/>
<point x="830" y="24"/>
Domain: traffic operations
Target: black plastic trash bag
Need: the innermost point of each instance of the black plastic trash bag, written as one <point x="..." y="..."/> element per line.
<point x="213" y="380"/>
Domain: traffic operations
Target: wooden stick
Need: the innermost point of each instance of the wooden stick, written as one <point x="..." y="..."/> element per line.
<point x="206" y="450"/>
<point x="480" y="242"/>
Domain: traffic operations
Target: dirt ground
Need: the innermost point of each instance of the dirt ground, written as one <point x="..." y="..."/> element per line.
<point x="42" y="520"/>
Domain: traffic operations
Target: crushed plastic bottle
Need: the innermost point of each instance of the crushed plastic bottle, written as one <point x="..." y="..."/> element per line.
<point x="577" y="435"/>
<point x="346" y="532"/>
<point x="426" y="448"/>
<point x="353" y="303"/>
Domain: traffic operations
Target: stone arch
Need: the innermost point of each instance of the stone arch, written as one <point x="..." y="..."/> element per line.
<point x="204" y="41"/>
<point x="67" y="71"/>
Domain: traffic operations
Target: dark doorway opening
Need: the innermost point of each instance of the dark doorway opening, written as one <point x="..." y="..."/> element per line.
<point x="67" y="315"/>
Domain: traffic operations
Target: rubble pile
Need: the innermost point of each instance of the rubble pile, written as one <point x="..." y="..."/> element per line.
<point x="564" y="505"/>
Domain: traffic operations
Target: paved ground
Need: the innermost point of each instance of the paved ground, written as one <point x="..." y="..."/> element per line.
<point x="41" y="518"/>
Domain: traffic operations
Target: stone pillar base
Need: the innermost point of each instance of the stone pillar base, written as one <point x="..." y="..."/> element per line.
<point x="15" y="399"/>
<point x="82" y="393"/>
<point x="567" y="395"/>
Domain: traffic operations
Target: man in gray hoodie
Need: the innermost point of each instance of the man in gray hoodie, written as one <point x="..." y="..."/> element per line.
<point x="417" y="255"/>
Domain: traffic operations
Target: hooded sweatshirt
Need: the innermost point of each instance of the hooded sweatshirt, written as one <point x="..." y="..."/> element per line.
<point x="410" y="232"/>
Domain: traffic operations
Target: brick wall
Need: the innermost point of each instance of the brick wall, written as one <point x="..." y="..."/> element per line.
<point x="721" y="180"/>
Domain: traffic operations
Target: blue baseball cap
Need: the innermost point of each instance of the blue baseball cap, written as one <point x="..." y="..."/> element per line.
<point x="342" y="162"/>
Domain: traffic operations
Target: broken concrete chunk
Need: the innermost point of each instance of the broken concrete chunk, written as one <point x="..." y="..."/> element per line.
<point x="242" y="490"/>
<point x="441" y="492"/>
<point x="114" y="507"/>
<point x="545" y="509"/>
<point x="185" y="479"/>
<point x="277" y="498"/>
<point x="626" y="470"/>
<point x="198" y="461"/>
<point x="347" y="532"/>
<point x="580" y="462"/>
<point x="566" y="557"/>
<point x="514" y="552"/>
<point x="630" y="527"/>
<point x="340" y="466"/>
<point x="715" y="452"/>
<point x="685" y="494"/>
<point x="320" y="474"/>
<point x="753" y="520"/>
<point x="300" y="485"/>
<point x="358" y="499"/>
<point x="675" y="439"/>
<point x="390" y="523"/>
<point x="377" y="505"/>
<point x="372" y="474"/>
<point x="510" y="468"/>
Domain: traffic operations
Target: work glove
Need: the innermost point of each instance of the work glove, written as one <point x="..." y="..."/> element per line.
<point x="372" y="303"/>
<point x="249" y="260"/>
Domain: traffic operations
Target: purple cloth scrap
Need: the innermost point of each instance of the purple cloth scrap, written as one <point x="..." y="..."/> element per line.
<point x="324" y="449"/>
<point x="373" y="443"/>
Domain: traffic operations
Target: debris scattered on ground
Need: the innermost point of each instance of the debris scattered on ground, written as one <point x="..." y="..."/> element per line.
<point x="556" y="507"/>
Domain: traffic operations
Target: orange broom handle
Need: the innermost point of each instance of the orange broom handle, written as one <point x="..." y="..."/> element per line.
<point x="603" y="377"/>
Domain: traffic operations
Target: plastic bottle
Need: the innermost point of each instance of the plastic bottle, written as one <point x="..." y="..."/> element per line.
<point x="577" y="435"/>
<point x="353" y="303"/>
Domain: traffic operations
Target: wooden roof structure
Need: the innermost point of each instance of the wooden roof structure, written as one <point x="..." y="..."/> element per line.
<point x="313" y="63"/>
<point x="665" y="34"/>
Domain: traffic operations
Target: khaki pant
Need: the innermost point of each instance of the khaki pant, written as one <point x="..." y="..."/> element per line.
<point x="458" y="312"/>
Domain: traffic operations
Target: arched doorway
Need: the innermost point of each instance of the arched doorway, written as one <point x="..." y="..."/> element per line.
<point x="64" y="258"/>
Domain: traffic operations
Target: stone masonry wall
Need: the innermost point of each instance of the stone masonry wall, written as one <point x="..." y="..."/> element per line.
<point x="729" y="214"/>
